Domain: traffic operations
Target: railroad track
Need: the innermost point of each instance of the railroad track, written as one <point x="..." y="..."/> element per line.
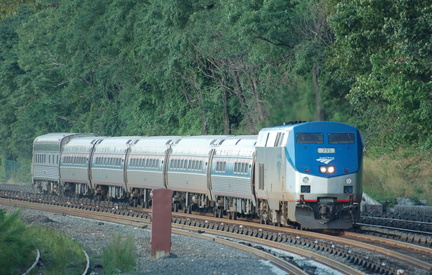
<point x="356" y="253"/>
<point x="143" y="220"/>
<point x="417" y="231"/>
<point x="423" y="226"/>
<point x="405" y="235"/>
<point x="366" y="252"/>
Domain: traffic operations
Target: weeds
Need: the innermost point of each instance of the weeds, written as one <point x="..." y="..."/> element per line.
<point x="59" y="253"/>
<point x="401" y="173"/>
<point x="15" y="245"/>
<point x="18" y="243"/>
<point x="119" y="255"/>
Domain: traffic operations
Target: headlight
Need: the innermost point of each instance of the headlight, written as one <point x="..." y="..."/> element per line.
<point x="327" y="169"/>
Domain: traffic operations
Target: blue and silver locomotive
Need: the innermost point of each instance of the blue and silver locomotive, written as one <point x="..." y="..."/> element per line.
<point x="306" y="174"/>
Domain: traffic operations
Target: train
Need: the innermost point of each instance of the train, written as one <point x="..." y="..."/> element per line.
<point x="302" y="174"/>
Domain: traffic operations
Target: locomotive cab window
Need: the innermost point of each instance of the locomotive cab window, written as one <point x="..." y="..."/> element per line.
<point x="341" y="138"/>
<point x="310" y="138"/>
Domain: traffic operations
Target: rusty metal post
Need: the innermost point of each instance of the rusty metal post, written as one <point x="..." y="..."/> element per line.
<point x="161" y="223"/>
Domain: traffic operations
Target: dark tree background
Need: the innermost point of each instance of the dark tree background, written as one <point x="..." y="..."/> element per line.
<point x="132" y="67"/>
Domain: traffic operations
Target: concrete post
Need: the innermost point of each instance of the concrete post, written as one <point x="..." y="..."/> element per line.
<point x="161" y="223"/>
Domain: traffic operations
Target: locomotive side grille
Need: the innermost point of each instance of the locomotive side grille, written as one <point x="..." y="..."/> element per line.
<point x="261" y="176"/>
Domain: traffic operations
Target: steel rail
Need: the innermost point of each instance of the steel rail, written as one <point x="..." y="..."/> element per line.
<point x="389" y="252"/>
<point x="34" y="263"/>
<point x="395" y="243"/>
<point x="345" y="241"/>
<point x="338" y="266"/>
<point x="180" y="229"/>
<point x="282" y="264"/>
<point x="86" y="270"/>
<point x="395" y="228"/>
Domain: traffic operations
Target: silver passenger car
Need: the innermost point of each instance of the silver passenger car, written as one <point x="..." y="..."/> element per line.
<point x="189" y="159"/>
<point x="145" y="167"/>
<point x="75" y="165"/>
<point x="108" y="166"/>
<point x="232" y="173"/>
<point x="46" y="160"/>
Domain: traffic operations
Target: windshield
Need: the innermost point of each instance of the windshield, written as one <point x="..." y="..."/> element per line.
<point x="341" y="138"/>
<point x="316" y="138"/>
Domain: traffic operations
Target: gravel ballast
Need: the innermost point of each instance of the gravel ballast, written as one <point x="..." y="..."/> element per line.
<point x="188" y="255"/>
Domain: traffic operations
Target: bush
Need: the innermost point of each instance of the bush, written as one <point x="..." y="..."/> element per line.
<point x="398" y="173"/>
<point x="16" y="247"/>
<point x="119" y="255"/>
<point x="18" y="243"/>
<point x="59" y="253"/>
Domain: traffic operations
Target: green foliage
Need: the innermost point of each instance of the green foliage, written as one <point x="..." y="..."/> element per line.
<point x="401" y="173"/>
<point x="15" y="244"/>
<point x="119" y="255"/>
<point x="130" y="67"/>
<point x="18" y="243"/>
<point x="147" y="68"/>
<point x="59" y="253"/>
<point x="9" y="7"/>
<point x="382" y="52"/>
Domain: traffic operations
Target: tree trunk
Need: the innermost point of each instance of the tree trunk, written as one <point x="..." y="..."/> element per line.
<point x="318" y="110"/>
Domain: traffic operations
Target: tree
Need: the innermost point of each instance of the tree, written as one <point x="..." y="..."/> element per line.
<point x="381" y="52"/>
<point x="15" y="243"/>
<point x="10" y="72"/>
<point x="9" y="7"/>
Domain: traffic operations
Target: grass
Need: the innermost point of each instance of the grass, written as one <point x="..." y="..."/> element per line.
<point x="18" y="243"/>
<point x="400" y="173"/>
<point x="119" y="255"/>
<point x="15" y="244"/>
<point x="59" y="253"/>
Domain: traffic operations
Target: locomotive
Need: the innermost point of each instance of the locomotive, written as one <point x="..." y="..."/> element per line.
<point x="306" y="174"/>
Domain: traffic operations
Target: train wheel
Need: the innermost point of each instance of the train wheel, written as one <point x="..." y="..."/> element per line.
<point x="232" y="215"/>
<point x="218" y="213"/>
<point x="134" y="203"/>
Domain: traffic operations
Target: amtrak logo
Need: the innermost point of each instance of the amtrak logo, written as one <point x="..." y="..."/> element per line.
<point x="325" y="160"/>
